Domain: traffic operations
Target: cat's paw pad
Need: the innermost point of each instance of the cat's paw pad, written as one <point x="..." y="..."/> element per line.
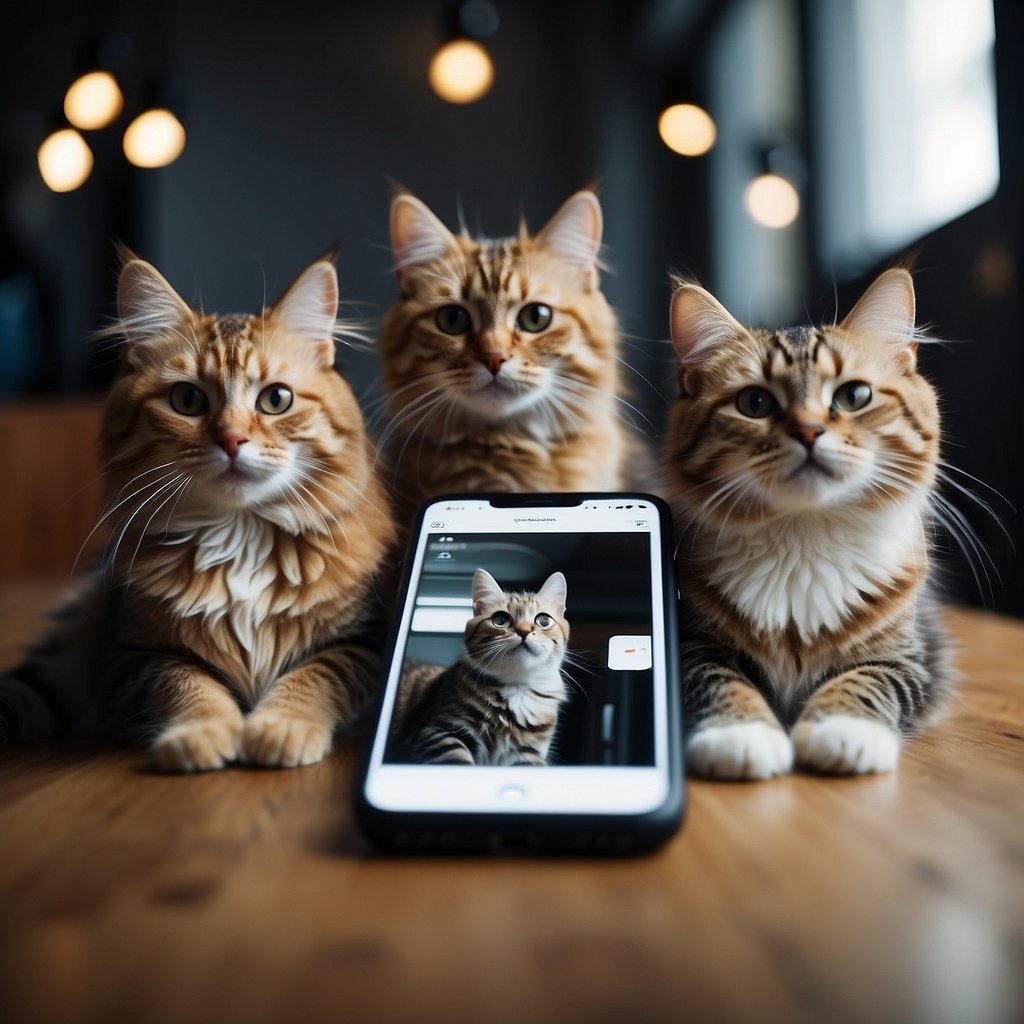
<point x="846" y="745"/>
<point x="274" y="740"/>
<point x="741" y="750"/>
<point x="196" y="746"/>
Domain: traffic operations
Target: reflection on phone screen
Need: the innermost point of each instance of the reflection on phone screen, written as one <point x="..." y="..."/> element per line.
<point x="528" y="650"/>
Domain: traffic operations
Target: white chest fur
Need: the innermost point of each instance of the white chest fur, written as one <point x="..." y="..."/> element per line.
<point x="236" y="554"/>
<point x="535" y="702"/>
<point x="242" y="544"/>
<point x="812" y="571"/>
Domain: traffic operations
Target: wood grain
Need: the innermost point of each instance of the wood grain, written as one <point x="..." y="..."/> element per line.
<point x="50" y="466"/>
<point x="249" y="896"/>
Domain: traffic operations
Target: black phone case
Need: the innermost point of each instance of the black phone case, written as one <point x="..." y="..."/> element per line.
<point x="524" y="833"/>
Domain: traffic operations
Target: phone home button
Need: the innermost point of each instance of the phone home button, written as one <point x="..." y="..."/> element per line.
<point x="511" y="794"/>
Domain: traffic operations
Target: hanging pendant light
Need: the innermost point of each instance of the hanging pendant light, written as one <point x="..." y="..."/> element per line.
<point x="461" y="70"/>
<point x="65" y="160"/>
<point x="156" y="137"/>
<point x="93" y="100"/>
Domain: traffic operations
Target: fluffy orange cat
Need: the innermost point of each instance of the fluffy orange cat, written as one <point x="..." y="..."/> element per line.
<point x="233" y="618"/>
<point x="500" y="359"/>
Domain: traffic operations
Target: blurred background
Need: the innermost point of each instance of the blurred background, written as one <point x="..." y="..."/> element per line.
<point x="809" y="144"/>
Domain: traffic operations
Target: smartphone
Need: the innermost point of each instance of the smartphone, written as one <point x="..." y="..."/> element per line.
<point x="531" y="697"/>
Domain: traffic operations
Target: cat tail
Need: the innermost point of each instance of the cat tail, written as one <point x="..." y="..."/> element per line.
<point x="54" y="691"/>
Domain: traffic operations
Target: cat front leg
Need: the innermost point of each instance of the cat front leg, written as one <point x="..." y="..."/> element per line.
<point x="732" y="733"/>
<point x="853" y="724"/>
<point x="201" y="723"/>
<point x="294" y="723"/>
<point x="448" y="749"/>
<point x="528" y="758"/>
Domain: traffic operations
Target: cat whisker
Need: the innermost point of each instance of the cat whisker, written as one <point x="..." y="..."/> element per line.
<point x="355" y="334"/>
<point x="173" y="496"/>
<point x="296" y="489"/>
<point x="749" y="486"/>
<point x="732" y="484"/>
<point x="435" y="401"/>
<point x="174" y="507"/>
<point x="946" y="478"/>
<point x="111" y="509"/>
<point x="419" y="407"/>
<point x="946" y="468"/>
<point x="138" y="476"/>
<point x="338" y="502"/>
<point x="114" y="548"/>
<point x="978" y="560"/>
<point x="313" y="473"/>
<point x="588" y="391"/>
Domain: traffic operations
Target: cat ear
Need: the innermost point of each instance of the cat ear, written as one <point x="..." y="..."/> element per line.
<point x="574" y="234"/>
<point x="553" y="593"/>
<point x="148" y="307"/>
<point x="485" y="591"/>
<point x="309" y="308"/>
<point x="417" y="236"/>
<point x="888" y="309"/>
<point x="699" y="323"/>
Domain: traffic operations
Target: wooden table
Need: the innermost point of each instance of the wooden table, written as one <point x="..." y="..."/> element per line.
<point x="249" y="895"/>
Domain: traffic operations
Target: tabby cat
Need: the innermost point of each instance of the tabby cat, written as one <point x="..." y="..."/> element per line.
<point x="234" y="615"/>
<point x="499" y="703"/>
<point x="803" y="463"/>
<point x="500" y="359"/>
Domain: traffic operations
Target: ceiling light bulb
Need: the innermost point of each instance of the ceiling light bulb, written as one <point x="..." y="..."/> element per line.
<point x="65" y="160"/>
<point x="93" y="100"/>
<point x="687" y="129"/>
<point x="155" y="138"/>
<point x="772" y="201"/>
<point x="461" y="71"/>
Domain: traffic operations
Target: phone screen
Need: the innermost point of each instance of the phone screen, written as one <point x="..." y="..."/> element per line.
<point x="597" y="724"/>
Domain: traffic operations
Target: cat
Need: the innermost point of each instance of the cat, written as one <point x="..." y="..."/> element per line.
<point x="500" y="360"/>
<point x="234" y="617"/>
<point x="499" y="703"/>
<point x="803" y="466"/>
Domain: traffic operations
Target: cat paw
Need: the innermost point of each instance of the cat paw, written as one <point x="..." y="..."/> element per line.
<point x="742" y="750"/>
<point x="196" y="746"/>
<point x="274" y="740"/>
<point x="845" y="745"/>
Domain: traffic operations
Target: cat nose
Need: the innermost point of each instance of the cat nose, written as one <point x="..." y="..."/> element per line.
<point x="231" y="442"/>
<point x="524" y="630"/>
<point x="494" y="361"/>
<point x="806" y="433"/>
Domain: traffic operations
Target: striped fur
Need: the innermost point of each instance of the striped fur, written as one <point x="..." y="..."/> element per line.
<point x="234" y="617"/>
<point x="499" y="703"/>
<point x="495" y="406"/>
<point x="804" y="515"/>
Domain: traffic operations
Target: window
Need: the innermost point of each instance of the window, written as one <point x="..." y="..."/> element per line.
<point x="905" y="121"/>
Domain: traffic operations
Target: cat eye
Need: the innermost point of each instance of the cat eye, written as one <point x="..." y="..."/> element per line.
<point x="452" y="320"/>
<point x="534" y="317"/>
<point x="275" y="399"/>
<point x="852" y="397"/>
<point x="187" y="399"/>
<point x="543" y="620"/>
<point x="756" y="403"/>
<point x="501" y="619"/>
